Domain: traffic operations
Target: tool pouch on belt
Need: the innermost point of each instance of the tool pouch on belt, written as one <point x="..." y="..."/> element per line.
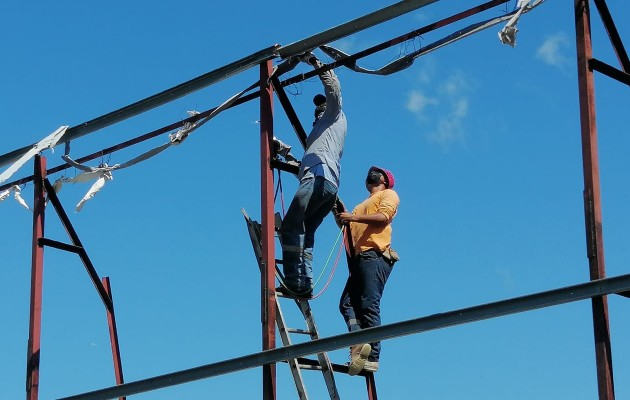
<point x="391" y="256"/>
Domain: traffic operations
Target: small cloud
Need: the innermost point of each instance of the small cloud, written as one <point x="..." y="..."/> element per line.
<point x="506" y="278"/>
<point x="346" y="45"/>
<point x="450" y="125"/>
<point x="455" y="85"/>
<point x="426" y="73"/>
<point x="420" y="17"/>
<point x="551" y="52"/>
<point x="417" y="102"/>
<point x="460" y="108"/>
<point x="450" y="107"/>
<point x="449" y="130"/>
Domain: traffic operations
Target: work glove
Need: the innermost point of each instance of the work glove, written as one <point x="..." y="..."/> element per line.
<point x="307" y="57"/>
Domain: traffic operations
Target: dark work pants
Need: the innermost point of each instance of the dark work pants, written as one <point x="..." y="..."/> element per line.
<point x="313" y="200"/>
<point x="360" y="302"/>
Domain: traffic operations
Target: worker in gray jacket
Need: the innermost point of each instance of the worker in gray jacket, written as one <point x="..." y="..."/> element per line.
<point x="319" y="182"/>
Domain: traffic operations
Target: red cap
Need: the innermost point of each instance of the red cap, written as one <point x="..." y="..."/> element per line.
<point x="389" y="177"/>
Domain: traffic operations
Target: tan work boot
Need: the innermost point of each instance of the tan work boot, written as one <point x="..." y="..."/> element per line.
<point x="370" y="366"/>
<point x="358" y="358"/>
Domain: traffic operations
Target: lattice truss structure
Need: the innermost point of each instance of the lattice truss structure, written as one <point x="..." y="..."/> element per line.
<point x="276" y="64"/>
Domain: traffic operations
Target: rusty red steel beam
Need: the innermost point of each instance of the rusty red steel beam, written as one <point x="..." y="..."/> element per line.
<point x="370" y="382"/>
<point x="113" y="336"/>
<point x="268" y="293"/>
<point x="592" y="198"/>
<point x="37" y="276"/>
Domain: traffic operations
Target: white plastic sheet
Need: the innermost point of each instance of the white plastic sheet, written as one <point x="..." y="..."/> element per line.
<point x="46" y="143"/>
<point x="17" y="195"/>
<point x="103" y="173"/>
<point x="507" y="35"/>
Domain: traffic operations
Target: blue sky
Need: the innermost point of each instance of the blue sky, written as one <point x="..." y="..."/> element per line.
<point x="484" y="141"/>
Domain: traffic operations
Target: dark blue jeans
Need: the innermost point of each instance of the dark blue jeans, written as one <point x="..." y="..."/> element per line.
<point x="360" y="302"/>
<point x="313" y="200"/>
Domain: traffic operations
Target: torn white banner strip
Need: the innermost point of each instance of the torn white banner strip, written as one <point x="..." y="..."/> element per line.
<point x="96" y="187"/>
<point x="5" y="194"/>
<point x="75" y="164"/>
<point x="17" y="195"/>
<point x="183" y="133"/>
<point x="47" y="143"/>
<point x="507" y="35"/>
<point x="103" y="173"/>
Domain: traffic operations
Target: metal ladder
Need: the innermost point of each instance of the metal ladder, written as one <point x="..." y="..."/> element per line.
<point x="297" y="364"/>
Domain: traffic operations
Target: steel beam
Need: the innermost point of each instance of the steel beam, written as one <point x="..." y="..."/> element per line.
<point x="268" y="292"/>
<point x="592" y="198"/>
<point x="37" y="276"/>
<point x="156" y="100"/>
<point x="289" y="111"/>
<point x="351" y="59"/>
<point x="113" y="337"/>
<point x="356" y="25"/>
<point x="613" y="35"/>
<point x="447" y="319"/>
<point x="295" y="79"/>
<point x="608" y="70"/>
<point x="89" y="267"/>
<point x="370" y="383"/>
<point x="59" y="245"/>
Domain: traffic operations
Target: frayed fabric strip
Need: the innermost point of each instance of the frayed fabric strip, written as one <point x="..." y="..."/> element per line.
<point x="103" y="173"/>
<point x="48" y="142"/>
<point x="17" y="195"/>
<point x="507" y="35"/>
<point x="96" y="187"/>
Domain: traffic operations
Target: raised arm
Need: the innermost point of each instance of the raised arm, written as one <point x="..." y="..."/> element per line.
<point x="332" y="87"/>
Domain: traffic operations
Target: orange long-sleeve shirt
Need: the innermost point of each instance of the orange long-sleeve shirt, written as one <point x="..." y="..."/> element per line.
<point x="366" y="237"/>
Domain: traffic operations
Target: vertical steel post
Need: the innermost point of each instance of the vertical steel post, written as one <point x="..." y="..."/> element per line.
<point x="113" y="335"/>
<point x="592" y="198"/>
<point x="370" y="384"/>
<point x="37" y="275"/>
<point x="268" y="223"/>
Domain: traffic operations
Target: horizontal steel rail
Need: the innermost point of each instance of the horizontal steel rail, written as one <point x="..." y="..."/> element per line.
<point x="608" y="70"/>
<point x="515" y="305"/>
<point x="156" y="100"/>
<point x="226" y="71"/>
<point x="277" y="85"/>
<point x="350" y="27"/>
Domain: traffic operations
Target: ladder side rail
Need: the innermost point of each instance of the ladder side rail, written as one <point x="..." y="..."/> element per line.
<point x="293" y="363"/>
<point x="254" y="236"/>
<point x="323" y="358"/>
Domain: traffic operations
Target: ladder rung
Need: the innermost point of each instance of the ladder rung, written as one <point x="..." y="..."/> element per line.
<point x="307" y="363"/>
<point x="310" y="367"/>
<point x="300" y="331"/>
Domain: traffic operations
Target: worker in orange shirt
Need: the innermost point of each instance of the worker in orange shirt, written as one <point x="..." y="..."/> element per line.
<point x="371" y="231"/>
